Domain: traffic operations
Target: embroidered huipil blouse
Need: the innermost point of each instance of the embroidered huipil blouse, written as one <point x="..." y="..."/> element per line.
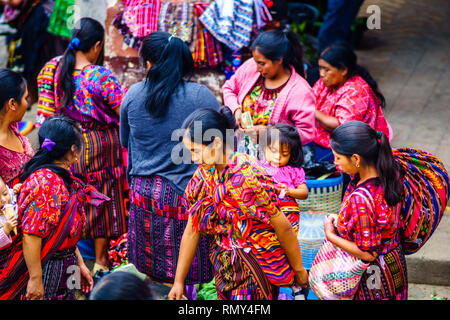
<point x="236" y="209"/>
<point x="354" y="100"/>
<point x="42" y="199"/>
<point x="372" y="229"/>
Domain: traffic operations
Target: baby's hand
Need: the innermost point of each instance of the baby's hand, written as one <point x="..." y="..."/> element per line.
<point x="17" y="188"/>
<point x="282" y="186"/>
<point x="10" y="224"/>
<point x="283" y="189"/>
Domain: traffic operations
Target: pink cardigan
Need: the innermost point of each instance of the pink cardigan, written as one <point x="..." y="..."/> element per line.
<point x="295" y="104"/>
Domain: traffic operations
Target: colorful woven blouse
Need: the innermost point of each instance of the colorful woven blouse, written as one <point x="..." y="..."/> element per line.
<point x="11" y="162"/>
<point x="260" y="102"/>
<point x="97" y="93"/>
<point x="46" y="91"/>
<point x="237" y="209"/>
<point x="354" y="100"/>
<point x="42" y="199"/>
<point x="372" y="229"/>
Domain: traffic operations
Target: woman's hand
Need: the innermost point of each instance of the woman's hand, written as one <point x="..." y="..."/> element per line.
<point x="328" y="122"/>
<point x="17" y="188"/>
<point x="87" y="283"/>
<point x="35" y="289"/>
<point x="301" y="278"/>
<point x="238" y="116"/>
<point x="329" y="225"/>
<point x="176" y="293"/>
<point x="255" y="132"/>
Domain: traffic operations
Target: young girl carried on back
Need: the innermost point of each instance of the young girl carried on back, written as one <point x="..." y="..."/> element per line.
<point x="284" y="160"/>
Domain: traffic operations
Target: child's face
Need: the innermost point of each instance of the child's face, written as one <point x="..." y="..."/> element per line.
<point x="5" y="195"/>
<point x="278" y="155"/>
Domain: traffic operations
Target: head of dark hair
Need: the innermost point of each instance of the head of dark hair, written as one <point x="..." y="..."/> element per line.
<point x="13" y="86"/>
<point x="212" y="124"/>
<point x="340" y="55"/>
<point x="285" y="134"/>
<point x="89" y="32"/>
<point x="171" y="61"/>
<point x="281" y="44"/>
<point x="121" y="285"/>
<point x="64" y="132"/>
<point x="356" y="137"/>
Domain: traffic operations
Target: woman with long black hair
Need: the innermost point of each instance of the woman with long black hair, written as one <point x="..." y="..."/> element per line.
<point x="345" y="91"/>
<point x="272" y="89"/>
<point x="230" y="197"/>
<point x="39" y="264"/>
<point x="15" y="149"/>
<point x="151" y="113"/>
<point x="368" y="224"/>
<point x="76" y="86"/>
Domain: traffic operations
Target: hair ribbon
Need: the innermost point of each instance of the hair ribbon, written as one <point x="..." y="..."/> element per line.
<point x="74" y="43"/>
<point x="48" y="144"/>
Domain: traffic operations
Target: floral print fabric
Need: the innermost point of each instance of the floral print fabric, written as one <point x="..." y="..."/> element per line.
<point x="41" y="202"/>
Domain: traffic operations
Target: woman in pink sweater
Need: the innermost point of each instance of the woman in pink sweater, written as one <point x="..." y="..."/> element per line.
<point x="270" y="88"/>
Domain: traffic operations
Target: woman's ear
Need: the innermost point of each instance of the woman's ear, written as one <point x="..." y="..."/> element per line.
<point x="344" y="72"/>
<point x="218" y="143"/>
<point x="99" y="45"/>
<point x="279" y="61"/>
<point x="75" y="151"/>
<point x="148" y="65"/>
<point x="356" y="160"/>
<point x="11" y="104"/>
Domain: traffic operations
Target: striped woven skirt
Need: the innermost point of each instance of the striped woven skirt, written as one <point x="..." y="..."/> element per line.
<point x="59" y="277"/>
<point x="238" y="276"/>
<point x="101" y="165"/>
<point x="157" y="220"/>
<point x="385" y="279"/>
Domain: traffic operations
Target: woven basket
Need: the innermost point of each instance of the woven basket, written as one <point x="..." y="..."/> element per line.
<point x="310" y="235"/>
<point x="324" y="195"/>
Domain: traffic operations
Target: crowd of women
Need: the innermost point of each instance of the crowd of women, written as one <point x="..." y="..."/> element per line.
<point x="227" y="215"/>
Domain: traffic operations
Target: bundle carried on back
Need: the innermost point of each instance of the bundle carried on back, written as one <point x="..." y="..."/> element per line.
<point x="425" y="196"/>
